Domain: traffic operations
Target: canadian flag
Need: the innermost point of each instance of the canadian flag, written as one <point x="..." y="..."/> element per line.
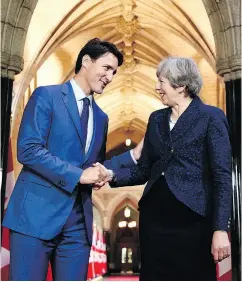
<point x="5" y="250"/>
<point x="103" y="254"/>
<point x="98" y="256"/>
<point x="91" y="266"/>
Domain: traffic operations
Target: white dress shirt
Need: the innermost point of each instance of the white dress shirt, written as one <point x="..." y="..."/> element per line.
<point x="80" y="95"/>
<point x="171" y="123"/>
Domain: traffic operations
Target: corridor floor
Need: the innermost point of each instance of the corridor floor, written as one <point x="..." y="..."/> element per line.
<point x="121" y="278"/>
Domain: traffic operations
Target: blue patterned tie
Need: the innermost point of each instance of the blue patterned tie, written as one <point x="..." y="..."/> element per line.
<point x="84" y="120"/>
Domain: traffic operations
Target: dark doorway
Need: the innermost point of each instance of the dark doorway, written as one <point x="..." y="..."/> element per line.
<point x="125" y="241"/>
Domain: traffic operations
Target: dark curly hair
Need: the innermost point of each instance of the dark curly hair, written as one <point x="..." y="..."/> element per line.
<point x="96" y="48"/>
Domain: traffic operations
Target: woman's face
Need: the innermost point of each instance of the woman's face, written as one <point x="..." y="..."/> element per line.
<point x="169" y="95"/>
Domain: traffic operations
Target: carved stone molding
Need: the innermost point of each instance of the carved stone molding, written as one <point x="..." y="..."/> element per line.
<point x="129" y="66"/>
<point x="225" y="20"/>
<point x="128" y="9"/>
<point x="16" y="16"/>
<point x="232" y="75"/>
<point x="230" y="69"/>
<point x="127" y="28"/>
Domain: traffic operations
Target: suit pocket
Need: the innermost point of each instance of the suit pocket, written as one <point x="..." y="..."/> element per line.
<point x="30" y="177"/>
<point x="39" y="194"/>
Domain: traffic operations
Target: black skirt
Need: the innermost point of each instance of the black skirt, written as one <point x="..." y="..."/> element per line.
<point x="175" y="242"/>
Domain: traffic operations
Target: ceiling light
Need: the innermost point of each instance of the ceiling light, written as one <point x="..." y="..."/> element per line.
<point x="128" y="142"/>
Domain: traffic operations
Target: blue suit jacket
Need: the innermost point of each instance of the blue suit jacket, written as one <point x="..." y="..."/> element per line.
<point x="194" y="157"/>
<point x="52" y="154"/>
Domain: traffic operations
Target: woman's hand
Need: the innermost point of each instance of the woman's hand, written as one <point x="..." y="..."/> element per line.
<point x="106" y="176"/>
<point x="220" y="245"/>
<point x="138" y="149"/>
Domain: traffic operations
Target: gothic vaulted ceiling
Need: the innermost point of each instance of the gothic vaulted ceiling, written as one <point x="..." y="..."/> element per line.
<point x="145" y="31"/>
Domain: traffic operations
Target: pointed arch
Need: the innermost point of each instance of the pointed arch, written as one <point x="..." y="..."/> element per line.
<point x="117" y="204"/>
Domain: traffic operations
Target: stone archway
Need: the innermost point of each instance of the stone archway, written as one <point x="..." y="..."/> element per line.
<point x="124" y="238"/>
<point x="225" y="20"/>
<point x="116" y="203"/>
<point x="135" y="96"/>
<point x="224" y="17"/>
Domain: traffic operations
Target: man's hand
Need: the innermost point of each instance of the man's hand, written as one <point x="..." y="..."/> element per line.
<point x="220" y="246"/>
<point x="107" y="176"/>
<point x="92" y="175"/>
<point x="138" y="149"/>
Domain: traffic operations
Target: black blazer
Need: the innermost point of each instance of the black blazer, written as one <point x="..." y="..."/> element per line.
<point x="194" y="157"/>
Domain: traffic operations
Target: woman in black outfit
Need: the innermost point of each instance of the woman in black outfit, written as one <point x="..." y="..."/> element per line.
<point x="186" y="159"/>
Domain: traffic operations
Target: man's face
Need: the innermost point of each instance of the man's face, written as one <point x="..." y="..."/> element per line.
<point x="100" y="72"/>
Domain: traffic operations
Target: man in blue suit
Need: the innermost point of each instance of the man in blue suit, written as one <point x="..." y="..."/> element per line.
<point x="62" y="134"/>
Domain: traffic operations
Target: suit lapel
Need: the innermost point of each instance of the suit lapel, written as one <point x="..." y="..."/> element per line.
<point x="163" y="125"/>
<point x="71" y="105"/>
<point x="187" y="119"/>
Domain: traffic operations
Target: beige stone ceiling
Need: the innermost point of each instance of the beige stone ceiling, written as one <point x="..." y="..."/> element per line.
<point x="145" y="30"/>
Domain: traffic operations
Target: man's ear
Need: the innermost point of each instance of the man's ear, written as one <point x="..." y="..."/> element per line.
<point x="85" y="61"/>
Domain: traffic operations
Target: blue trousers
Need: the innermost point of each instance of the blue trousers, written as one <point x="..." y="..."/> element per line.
<point x="68" y="252"/>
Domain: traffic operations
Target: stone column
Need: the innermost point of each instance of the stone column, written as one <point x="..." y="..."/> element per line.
<point x="15" y="19"/>
<point x="233" y="109"/>
<point x="6" y="99"/>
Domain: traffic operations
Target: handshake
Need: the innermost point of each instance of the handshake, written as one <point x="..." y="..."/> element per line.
<point x="97" y="175"/>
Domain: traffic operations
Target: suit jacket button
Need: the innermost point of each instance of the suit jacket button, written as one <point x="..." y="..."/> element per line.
<point x="172" y="151"/>
<point x="162" y="173"/>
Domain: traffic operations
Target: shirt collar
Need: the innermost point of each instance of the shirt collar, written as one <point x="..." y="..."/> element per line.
<point x="78" y="92"/>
